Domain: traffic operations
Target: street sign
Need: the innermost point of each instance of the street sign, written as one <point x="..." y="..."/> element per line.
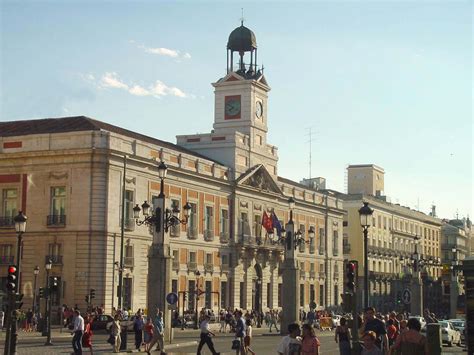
<point x="406" y="296"/>
<point x="172" y="298"/>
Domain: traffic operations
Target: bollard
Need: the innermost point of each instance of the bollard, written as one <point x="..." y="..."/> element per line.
<point x="433" y="333"/>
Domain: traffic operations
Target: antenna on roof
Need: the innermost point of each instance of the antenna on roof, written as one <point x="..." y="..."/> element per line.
<point x="242" y="18"/>
<point x="310" y="134"/>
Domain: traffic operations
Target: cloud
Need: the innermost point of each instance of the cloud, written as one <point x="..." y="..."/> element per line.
<point x="111" y="80"/>
<point x="157" y="89"/>
<point x="167" y="52"/>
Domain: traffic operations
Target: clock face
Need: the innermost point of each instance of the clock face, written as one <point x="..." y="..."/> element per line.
<point x="259" y="109"/>
<point x="232" y="107"/>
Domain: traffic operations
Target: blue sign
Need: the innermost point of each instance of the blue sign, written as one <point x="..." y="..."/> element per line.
<point x="406" y="296"/>
<point x="172" y="298"/>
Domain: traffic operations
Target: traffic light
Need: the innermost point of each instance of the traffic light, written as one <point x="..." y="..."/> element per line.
<point x="11" y="278"/>
<point x="92" y="294"/>
<point x="87" y="299"/>
<point x="54" y="283"/>
<point x="399" y="297"/>
<point x="351" y="269"/>
<point x="18" y="302"/>
<point x="41" y="292"/>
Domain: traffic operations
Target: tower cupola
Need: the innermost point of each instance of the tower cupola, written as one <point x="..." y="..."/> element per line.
<point x="242" y="40"/>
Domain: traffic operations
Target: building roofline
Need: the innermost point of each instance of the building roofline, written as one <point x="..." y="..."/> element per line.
<point x="366" y="166"/>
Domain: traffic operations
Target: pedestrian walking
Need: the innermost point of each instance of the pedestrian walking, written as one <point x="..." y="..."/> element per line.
<point x="87" y="336"/>
<point x="206" y="336"/>
<point x="158" y="334"/>
<point x="309" y="342"/>
<point x="2" y="315"/>
<point x="411" y="342"/>
<point x="138" y="324"/>
<point x="291" y="343"/>
<point x="378" y="327"/>
<point x="115" y="333"/>
<point x="148" y="330"/>
<point x="273" y="320"/>
<point x="240" y="331"/>
<point x="343" y="337"/>
<point x="77" y="332"/>
<point x="248" y="338"/>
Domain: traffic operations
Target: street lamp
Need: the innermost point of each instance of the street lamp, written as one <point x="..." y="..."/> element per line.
<point x="365" y="214"/>
<point x="454" y="285"/>
<point x="48" y="266"/>
<point x="159" y="258"/>
<point x="197" y="273"/>
<point x="20" y="228"/>
<point x="36" y="271"/>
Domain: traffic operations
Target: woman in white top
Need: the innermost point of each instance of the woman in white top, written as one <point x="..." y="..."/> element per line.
<point x="248" y="337"/>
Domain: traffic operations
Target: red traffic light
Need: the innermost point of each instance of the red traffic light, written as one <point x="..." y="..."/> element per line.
<point x="351" y="267"/>
<point x="11" y="269"/>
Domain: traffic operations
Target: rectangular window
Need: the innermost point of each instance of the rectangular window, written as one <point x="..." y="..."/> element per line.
<point x="242" y="295"/>
<point x="312" y="293"/>
<point x="335" y="241"/>
<point x="384" y="224"/>
<point x="54" y="253"/>
<point x="192" y="256"/>
<point x="244" y="224"/>
<point x="379" y="221"/>
<point x="9" y="207"/>
<point x="129" y="222"/>
<point x="208" y="219"/>
<point x="223" y="295"/>
<point x="6" y="256"/>
<point x="321" y="241"/>
<point x="257" y="225"/>
<point x="224" y="227"/>
<point x="174" y="286"/>
<point x="301" y="295"/>
<point x="192" y="222"/>
<point x="128" y="259"/>
<point x="224" y="259"/>
<point x="208" y="296"/>
<point x="209" y="258"/>
<point x="57" y="206"/>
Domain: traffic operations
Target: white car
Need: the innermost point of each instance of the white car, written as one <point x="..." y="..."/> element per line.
<point x="449" y="335"/>
<point x="459" y="325"/>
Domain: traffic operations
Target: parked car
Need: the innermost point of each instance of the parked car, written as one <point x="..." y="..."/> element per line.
<point x="100" y="322"/>
<point x="449" y="335"/>
<point x="459" y="325"/>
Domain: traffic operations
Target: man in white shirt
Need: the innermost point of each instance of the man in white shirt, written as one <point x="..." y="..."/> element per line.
<point x="206" y="336"/>
<point x="290" y="344"/>
<point x="78" y="331"/>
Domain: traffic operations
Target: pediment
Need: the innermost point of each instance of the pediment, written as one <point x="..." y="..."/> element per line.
<point x="259" y="178"/>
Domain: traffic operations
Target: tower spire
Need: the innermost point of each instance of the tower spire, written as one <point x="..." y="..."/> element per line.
<point x="242" y="17"/>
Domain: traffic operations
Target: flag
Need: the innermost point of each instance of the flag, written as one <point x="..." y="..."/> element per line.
<point x="276" y="224"/>
<point x="267" y="223"/>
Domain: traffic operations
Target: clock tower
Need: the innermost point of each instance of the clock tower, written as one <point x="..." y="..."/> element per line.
<point x="239" y="137"/>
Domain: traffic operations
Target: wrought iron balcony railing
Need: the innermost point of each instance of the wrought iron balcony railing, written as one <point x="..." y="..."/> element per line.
<point x="56" y="220"/>
<point x="128" y="261"/>
<point x="209" y="235"/>
<point x="7" y="222"/>
<point x="209" y="267"/>
<point x="56" y="259"/>
<point x="175" y="265"/>
<point x="224" y="237"/>
<point x="192" y="266"/>
<point x="6" y="259"/>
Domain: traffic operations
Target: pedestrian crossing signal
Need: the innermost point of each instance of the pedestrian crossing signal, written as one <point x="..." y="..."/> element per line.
<point x="54" y="283"/>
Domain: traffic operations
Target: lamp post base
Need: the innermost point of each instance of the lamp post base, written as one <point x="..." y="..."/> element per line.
<point x="48" y="343"/>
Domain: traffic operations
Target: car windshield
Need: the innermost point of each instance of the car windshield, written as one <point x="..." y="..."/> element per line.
<point x="458" y="324"/>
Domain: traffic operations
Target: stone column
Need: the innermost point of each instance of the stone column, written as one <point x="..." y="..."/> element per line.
<point x="416" y="295"/>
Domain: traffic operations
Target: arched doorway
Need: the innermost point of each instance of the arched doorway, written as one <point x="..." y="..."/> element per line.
<point x="257" y="289"/>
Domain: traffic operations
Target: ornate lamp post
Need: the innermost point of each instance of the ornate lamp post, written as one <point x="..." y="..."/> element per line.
<point x="417" y="285"/>
<point x="20" y="228"/>
<point x="365" y="214"/>
<point x="36" y="271"/>
<point x="453" y="295"/>
<point x="47" y="325"/>
<point x="159" y="257"/>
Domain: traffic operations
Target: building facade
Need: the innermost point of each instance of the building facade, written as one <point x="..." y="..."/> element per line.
<point x="393" y="236"/>
<point x="70" y="175"/>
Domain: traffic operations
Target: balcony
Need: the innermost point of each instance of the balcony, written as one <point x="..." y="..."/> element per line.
<point x="253" y="242"/>
<point x="209" y="267"/>
<point x="312" y="274"/>
<point x="209" y="235"/>
<point x="322" y="275"/>
<point x="6" y="259"/>
<point x="302" y="247"/>
<point x="321" y="250"/>
<point x="192" y="233"/>
<point x="6" y="222"/>
<point x="128" y="261"/>
<point x="224" y="237"/>
<point x="335" y="252"/>
<point x="56" y="259"/>
<point x="175" y="265"/>
<point x="192" y="266"/>
<point x="56" y="220"/>
<point x="312" y="249"/>
<point x="302" y="274"/>
<point x="224" y="267"/>
<point x="244" y="228"/>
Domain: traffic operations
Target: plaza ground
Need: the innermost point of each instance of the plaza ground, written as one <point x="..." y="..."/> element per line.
<point x="185" y="343"/>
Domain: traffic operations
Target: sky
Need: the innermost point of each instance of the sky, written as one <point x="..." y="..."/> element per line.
<point x="382" y="82"/>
